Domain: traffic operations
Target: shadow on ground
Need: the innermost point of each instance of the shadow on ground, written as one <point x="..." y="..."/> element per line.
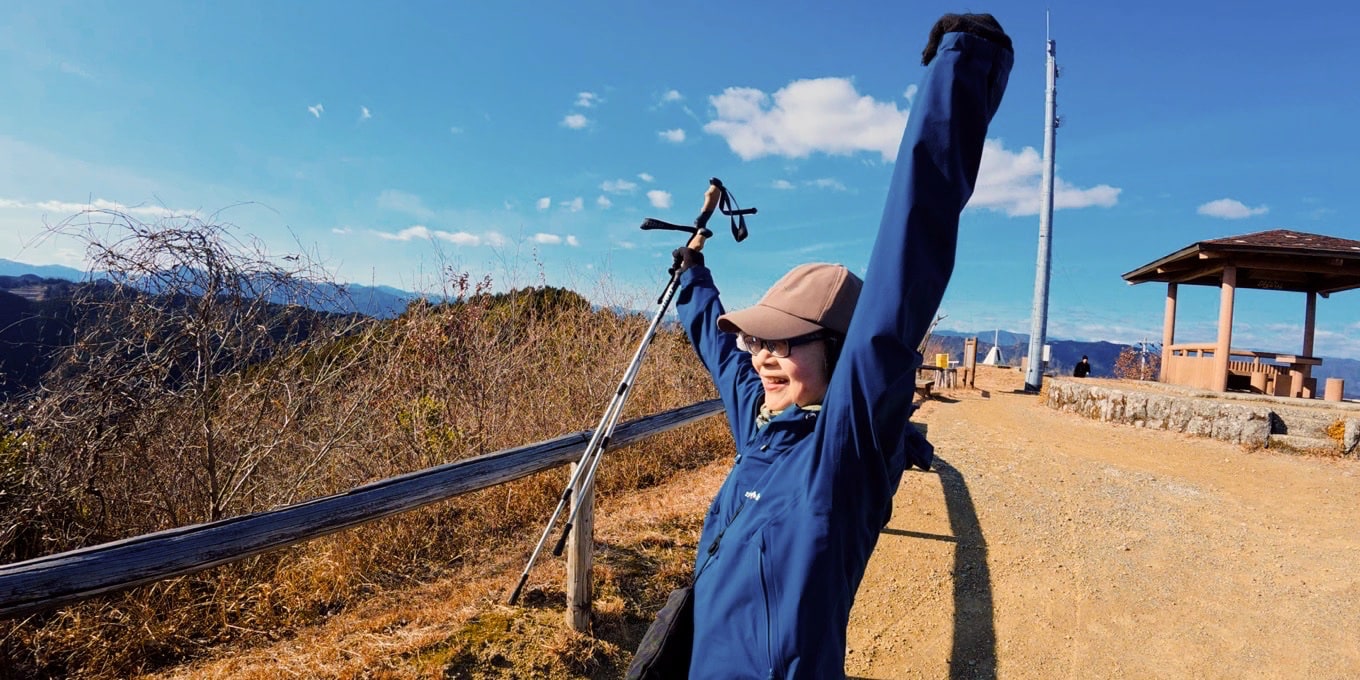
<point x="974" y="650"/>
<point x="973" y="653"/>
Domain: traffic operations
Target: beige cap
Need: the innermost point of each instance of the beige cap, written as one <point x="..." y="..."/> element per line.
<point x="808" y="298"/>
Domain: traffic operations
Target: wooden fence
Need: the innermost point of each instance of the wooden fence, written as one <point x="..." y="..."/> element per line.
<point x="69" y="577"/>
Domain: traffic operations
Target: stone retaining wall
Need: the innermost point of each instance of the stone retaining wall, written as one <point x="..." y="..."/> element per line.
<point x="1201" y="416"/>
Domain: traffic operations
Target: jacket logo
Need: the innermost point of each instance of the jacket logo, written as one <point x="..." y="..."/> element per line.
<point x="753" y="495"/>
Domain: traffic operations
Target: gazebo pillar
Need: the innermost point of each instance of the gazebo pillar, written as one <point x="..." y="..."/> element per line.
<point x="1302" y="376"/>
<point x="1309" y="321"/>
<point x="1225" y="318"/>
<point x="1168" y="330"/>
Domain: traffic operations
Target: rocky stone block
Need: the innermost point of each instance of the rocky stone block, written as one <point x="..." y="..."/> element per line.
<point x="1195" y="415"/>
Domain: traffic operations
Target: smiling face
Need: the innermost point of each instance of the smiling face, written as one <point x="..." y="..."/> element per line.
<point x="800" y="378"/>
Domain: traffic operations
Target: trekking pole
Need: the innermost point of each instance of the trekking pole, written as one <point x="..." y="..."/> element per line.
<point x="715" y="197"/>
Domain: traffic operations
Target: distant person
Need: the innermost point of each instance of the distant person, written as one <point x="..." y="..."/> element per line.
<point x="1083" y="367"/>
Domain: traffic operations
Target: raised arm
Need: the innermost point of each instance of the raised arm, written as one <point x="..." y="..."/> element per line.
<point x="699" y="308"/>
<point x="913" y="256"/>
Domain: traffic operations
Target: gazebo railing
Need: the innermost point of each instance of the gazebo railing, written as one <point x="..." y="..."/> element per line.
<point x="1193" y="364"/>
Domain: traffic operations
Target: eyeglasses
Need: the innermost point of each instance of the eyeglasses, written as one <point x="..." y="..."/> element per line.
<point x="779" y="348"/>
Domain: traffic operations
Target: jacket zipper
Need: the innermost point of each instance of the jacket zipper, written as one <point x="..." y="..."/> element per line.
<point x="769" y="627"/>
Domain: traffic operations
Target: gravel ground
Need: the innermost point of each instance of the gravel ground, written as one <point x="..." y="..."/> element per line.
<point x="1045" y="545"/>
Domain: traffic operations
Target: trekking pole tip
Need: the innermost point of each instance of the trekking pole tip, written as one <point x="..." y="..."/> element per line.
<point x="514" y="596"/>
<point x="562" y="542"/>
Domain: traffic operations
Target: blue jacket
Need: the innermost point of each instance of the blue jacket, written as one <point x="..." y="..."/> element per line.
<point x="807" y="495"/>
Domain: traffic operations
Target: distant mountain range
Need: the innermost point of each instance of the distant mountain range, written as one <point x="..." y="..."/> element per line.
<point x="1063" y="354"/>
<point x="385" y="302"/>
<point x="47" y="271"/>
<point x="382" y="302"/>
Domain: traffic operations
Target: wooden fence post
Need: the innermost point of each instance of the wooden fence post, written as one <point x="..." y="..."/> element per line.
<point x="969" y="361"/>
<point x="580" y="554"/>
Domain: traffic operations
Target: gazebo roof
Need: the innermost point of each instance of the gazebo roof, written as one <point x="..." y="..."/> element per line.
<point x="1269" y="260"/>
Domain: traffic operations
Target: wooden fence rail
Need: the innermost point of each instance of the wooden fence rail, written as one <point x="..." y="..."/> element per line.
<point x="68" y="577"/>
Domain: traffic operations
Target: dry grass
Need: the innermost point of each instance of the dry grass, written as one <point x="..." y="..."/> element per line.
<point x="101" y="455"/>
<point x="458" y="625"/>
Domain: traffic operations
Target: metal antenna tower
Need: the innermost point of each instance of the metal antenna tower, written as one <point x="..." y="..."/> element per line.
<point x="1039" y="315"/>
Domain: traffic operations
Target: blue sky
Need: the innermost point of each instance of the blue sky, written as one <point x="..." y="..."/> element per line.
<point x="529" y="140"/>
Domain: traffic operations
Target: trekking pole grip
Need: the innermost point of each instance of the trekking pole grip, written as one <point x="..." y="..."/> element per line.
<point x="711" y="198"/>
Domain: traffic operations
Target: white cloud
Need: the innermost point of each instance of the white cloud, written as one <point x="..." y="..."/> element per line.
<point x="99" y="204"/>
<point x="646" y="177"/>
<point x="403" y="202"/>
<point x="317" y="110"/>
<point x="574" y="205"/>
<point x="618" y="186"/>
<point x="494" y="238"/>
<point x="575" y="121"/>
<point x="604" y="202"/>
<point x="455" y="130"/>
<point x="824" y="115"/>
<point x="910" y="94"/>
<point x="461" y="238"/>
<point x="343" y="231"/>
<point x="544" y="203"/>
<point x="1010" y="182"/>
<point x="1230" y="209"/>
<point x="552" y="240"/>
<point x="823" y="183"/>
<point x="676" y="135"/>
<point x="672" y="96"/>
<point x="420" y="232"/>
<point x="364" y="113"/>
<point x="659" y="199"/>
<point x="587" y="100"/>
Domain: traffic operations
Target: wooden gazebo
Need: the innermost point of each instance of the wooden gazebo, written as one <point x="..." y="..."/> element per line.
<point x="1267" y="260"/>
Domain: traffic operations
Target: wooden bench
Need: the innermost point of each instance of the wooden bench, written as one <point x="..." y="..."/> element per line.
<point x="923" y="388"/>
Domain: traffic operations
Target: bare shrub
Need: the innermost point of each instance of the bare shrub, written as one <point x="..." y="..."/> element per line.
<point x="181" y="388"/>
<point x="200" y="387"/>
<point x="1135" y="364"/>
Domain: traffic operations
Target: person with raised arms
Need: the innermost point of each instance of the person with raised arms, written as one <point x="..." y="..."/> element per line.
<point x="817" y="380"/>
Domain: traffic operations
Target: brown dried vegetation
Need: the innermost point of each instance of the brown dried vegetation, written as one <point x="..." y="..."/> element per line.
<point x="1135" y="365"/>
<point x="199" y="386"/>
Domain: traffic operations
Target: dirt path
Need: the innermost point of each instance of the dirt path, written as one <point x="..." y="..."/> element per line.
<point x="1045" y="545"/>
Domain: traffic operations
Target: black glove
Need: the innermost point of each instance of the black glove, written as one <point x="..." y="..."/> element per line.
<point x="983" y="25"/>
<point x="684" y="259"/>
